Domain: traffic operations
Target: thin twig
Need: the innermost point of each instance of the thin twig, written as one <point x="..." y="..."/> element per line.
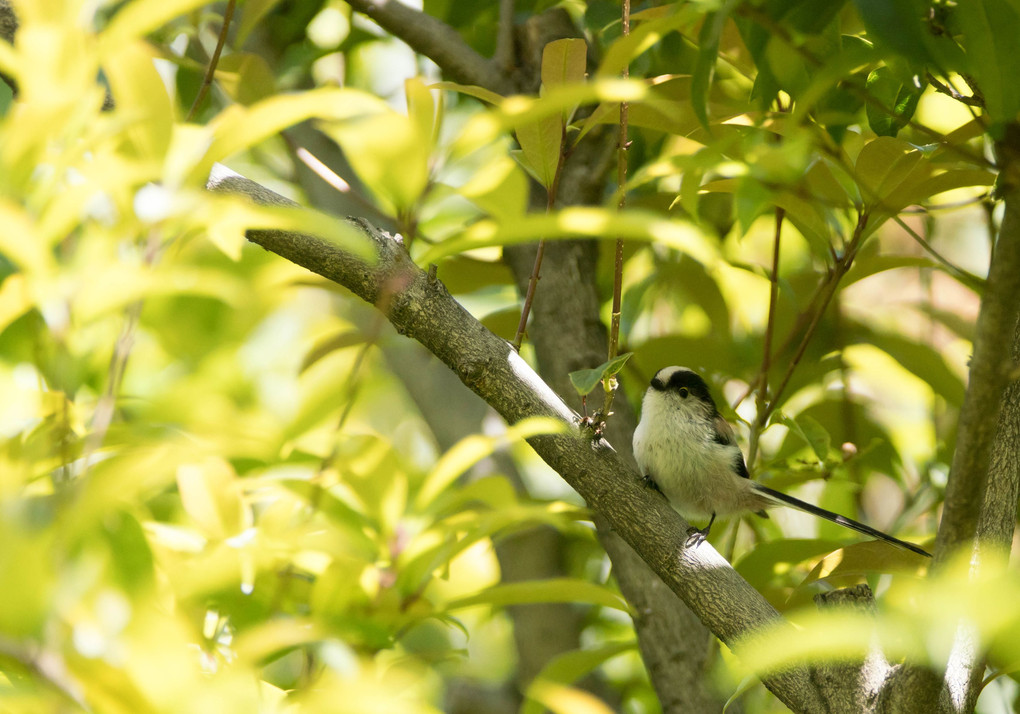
<point x="621" y="181"/>
<point x="942" y="88"/>
<point x="840" y="270"/>
<point x="766" y="358"/>
<point x="210" y="71"/>
<point x="438" y="41"/>
<point x="102" y="418"/>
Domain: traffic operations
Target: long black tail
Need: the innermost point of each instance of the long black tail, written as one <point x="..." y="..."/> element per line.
<point x="785" y="500"/>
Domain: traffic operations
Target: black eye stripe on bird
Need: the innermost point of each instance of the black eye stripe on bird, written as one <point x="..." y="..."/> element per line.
<point x="687" y="451"/>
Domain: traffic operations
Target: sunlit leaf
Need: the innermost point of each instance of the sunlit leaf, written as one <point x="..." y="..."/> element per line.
<point x="211" y="497"/>
<point x="542" y="141"/>
<point x="568" y="668"/>
<point x="559" y="699"/>
<point x="389" y="153"/>
<point x="575" y="222"/>
<point x="563" y="61"/>
<point x="142" y="100"/>
<point x="898" y="101"/>
<point x="555" y="590"/>
<point x="238" y="127"/>
<point x="646" y="35"/>
<point x="422" y="110"/>
<point x="136" y="19"/>
<point x="873" y="556"/>
<point x="474" y="448"/>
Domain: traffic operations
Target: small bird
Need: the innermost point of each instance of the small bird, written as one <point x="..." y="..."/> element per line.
<point x="687" y="451"/>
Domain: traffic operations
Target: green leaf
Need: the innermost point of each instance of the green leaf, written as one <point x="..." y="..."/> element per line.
<point x="470" y="90"/>
<point x="897" y="27"/>
<point x="390" y="154"/>
<point x="585" y="380"/>
<point x="898" y="101"/>
<point x="542" y="143"/>
<point x="211" y="497"/>
<point x="922" y="360"/>
<point x="541" y="591"/>
<point x="245" y="76"/>
<point x="423" y="111"/>
<point x="564" y="61"/>
<point x="704" y="69"/>
<point x="570" y="667"/>
<point x="253" y="12"/>
<point x="580" y="221"/>
<point x="990" y="29"/>
<point x="808" y="429"/>
<point x="882" y="166"/>
<point x="472" y="449"/>
<point x="865" y="558"/>
<point x="646" y="35"/>
<point x="761" y="565"/>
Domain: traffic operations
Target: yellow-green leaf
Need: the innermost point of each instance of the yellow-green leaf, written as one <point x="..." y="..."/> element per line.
<point x="238" y="127"/>
<point x="542" y="141"/>
<point x="142" y="100"/>
<point x="211" y="497"/>
<point x="576" y="222"/>
<point x="563" y="61"/>
<point x="472" y="449"/>
<point x="137" y="19"/>
<point x="536" y="591"/>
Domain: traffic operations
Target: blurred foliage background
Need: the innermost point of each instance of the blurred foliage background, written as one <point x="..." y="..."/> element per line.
<point x="227" y="485"/>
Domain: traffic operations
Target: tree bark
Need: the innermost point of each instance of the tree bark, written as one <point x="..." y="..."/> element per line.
<point x="981" y="494"/>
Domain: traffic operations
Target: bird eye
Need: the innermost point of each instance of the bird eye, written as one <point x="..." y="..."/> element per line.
<point x="684" y="392"/>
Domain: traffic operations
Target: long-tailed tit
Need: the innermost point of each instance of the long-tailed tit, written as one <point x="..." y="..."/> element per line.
<point x="687" y="450"/>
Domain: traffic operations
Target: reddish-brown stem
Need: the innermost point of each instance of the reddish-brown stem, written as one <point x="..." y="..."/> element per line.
<point x="210" y="71"/>
<point x="536" y="271"/>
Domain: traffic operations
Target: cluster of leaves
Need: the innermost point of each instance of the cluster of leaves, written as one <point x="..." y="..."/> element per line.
<point x="185" y="526"/>
<point x="197" y="505"/>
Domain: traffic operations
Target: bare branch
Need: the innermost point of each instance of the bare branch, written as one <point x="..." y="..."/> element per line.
<point x="437" y="41"/>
